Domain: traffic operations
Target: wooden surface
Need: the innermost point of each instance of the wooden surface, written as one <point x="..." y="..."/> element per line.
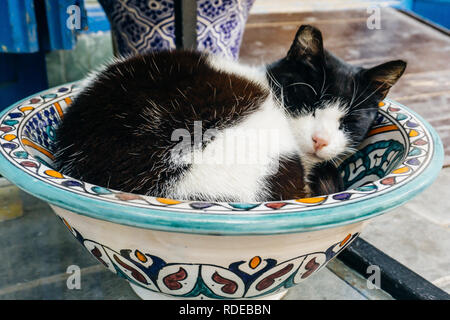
<point x="425" y="86"/>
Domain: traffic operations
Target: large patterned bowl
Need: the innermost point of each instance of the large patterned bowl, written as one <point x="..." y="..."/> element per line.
<point x="186" y="249"/>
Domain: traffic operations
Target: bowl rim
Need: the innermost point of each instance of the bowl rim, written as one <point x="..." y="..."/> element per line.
<point x="262" y="222"/>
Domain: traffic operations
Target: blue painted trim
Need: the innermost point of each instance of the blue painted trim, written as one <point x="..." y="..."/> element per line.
<point x="229" y="224"/>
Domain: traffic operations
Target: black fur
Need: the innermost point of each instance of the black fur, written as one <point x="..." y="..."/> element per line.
<point x="123" y="123"/>
<point x="289" y="181"/>
<point x="325" y="179"/>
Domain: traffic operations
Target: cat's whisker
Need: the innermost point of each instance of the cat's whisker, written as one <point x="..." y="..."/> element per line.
<point x="279" y="100"/>
<point x="271" y="77"/>
<point x="361" y="93"/>
<point x="324" y="93"/>
<point x="323" y="82"/>
<point x="373" y="92"/>
<point x="334" y="161"/>
<point x="304" y="83"/>
<point x="354" y="91"/>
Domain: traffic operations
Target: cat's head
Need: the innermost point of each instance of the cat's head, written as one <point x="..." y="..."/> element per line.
<point x="331" y="103"/>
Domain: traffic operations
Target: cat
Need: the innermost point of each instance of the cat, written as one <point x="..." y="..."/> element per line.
<point x="174" y="124"/>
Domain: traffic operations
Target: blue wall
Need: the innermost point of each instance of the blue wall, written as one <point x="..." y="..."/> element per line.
<point x="28" y="29"/>
<point x="436" y="11"/>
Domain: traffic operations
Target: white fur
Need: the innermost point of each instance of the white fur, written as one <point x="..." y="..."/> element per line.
<point x="218" y="170"/>
<point x="236" y="163"/>
<point x="252" y="73"/>
<point x="323" y="124"/>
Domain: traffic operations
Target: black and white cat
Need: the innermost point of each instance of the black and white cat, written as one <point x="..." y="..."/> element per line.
<point x="188" y="125"/>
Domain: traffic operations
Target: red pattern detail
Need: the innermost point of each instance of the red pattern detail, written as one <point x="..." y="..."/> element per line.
<point x="388" y="181"/>
<point x="310" y="267"/>
<point x="269" y="280"/>
<point x="275" y="205"/>
<point x="134" y="273"/>
<point x="229" y="286"/>
<point x="98" y="255"/>
<point x="172" y="281"/>
<point x="5" y="129"/>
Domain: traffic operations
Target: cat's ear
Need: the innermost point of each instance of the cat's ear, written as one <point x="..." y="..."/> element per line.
<point x="385" y="75"/>
<point x="307" y="45"/>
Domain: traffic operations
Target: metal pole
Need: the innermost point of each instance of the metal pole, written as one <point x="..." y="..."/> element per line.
<point x="185" y="24"/>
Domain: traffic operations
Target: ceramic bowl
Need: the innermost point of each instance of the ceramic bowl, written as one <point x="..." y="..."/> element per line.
<point x="168" y="248"/>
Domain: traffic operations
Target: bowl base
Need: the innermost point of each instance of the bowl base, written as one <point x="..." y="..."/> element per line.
<point x="151" y="295"/>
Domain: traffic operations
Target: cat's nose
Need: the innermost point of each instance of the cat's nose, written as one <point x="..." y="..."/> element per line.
<point x="319" y="143"/>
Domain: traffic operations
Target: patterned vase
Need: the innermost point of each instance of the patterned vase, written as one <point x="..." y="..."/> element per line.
<point x="142" y="25"/>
